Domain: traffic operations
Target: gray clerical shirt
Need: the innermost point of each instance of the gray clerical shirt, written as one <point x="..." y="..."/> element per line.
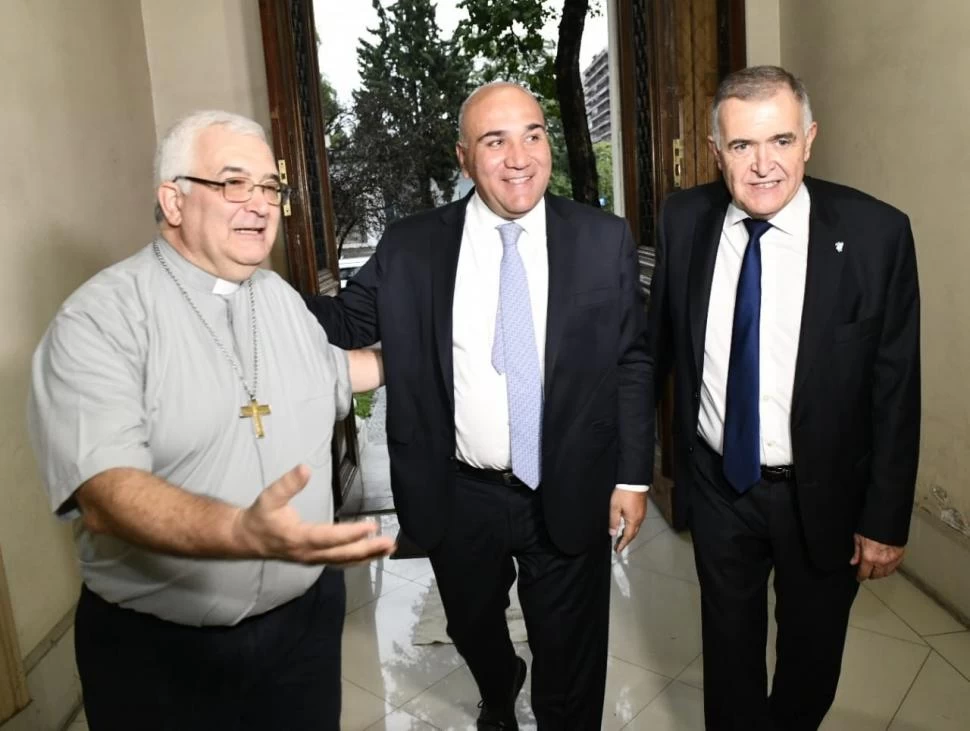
<point x="128" y="376"/>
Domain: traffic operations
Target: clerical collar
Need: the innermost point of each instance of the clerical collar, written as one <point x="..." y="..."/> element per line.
<point x="194" y="277"/>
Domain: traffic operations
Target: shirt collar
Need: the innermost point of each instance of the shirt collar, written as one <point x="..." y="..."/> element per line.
<point x="533" y="222"/>
<point x="792" y="219"/>
<point x="192" y="275"/>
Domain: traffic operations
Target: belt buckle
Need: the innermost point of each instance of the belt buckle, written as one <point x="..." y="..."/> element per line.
<point x="508" y="478"/>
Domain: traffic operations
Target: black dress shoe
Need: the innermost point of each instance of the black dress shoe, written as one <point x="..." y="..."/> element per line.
<point x="502" y="718"/>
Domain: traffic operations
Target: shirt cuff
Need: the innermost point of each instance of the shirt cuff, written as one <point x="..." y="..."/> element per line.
<point x="633" y="488"/>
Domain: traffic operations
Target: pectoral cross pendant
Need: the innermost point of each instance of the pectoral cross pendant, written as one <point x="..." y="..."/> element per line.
<point x="255" y="412"/>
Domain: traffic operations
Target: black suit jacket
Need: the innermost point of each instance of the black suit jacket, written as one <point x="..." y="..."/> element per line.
<point x="595" y="422"/>
<point x="856" y="403"/>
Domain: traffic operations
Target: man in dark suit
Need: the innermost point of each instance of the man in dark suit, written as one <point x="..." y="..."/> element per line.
<point x="788" y="309"/>
<point x="514" y="342"/>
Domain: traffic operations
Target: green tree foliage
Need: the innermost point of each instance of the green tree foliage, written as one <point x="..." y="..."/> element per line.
<point x="412" y="84"/>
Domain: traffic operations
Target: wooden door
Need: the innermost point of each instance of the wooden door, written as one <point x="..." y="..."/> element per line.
<point x="290" y="49"/>
<point x="673" y="53"/>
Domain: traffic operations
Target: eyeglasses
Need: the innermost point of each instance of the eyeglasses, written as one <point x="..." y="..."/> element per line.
<point x="240" y="190"/>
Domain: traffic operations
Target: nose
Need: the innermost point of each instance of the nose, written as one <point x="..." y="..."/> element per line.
<point x="762" y="162"/>
<point x="515" y="155"/>
<point x="258" y="203"/>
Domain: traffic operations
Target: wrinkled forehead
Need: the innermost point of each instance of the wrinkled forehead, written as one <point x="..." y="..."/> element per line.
<point x="219" y="149"/>
<point x="504" y="107"/>
<point x="770" y="114"/>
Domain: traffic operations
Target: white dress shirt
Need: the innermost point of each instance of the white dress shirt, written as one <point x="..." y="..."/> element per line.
<point x="784" y="257"/>
<point x="481" y="400"/>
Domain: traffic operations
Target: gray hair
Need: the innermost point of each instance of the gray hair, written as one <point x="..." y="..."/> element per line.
<point x="175" y="154"/>
<point x="758" y="82"/>
<point x="484" y="87"/>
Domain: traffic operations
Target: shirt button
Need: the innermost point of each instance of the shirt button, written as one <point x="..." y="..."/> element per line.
<point x="696" y="395"/>
<point x="690" y="450"/>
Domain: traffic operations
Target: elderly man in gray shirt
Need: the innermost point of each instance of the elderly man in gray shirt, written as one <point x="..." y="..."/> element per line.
<point x="182" y="405"/>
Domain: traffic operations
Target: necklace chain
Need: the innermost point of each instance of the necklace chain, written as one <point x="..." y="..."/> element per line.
<point x="230" y="356"/>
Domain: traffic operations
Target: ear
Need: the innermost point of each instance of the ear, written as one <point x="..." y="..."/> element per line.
<point x="714" y="151"/>
<point x="460" y="151"/>
<point x="809" y="139"/>
<point x="169" y="197"/>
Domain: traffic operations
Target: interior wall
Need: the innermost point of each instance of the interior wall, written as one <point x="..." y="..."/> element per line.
<point x="762" y="32"/>
<point x="75" y="197"/>
<point x="892" y="113"/>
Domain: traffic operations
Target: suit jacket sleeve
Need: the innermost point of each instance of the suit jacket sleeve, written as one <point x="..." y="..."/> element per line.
<point x="351" y="318"/>
<point x="635" y="459"/>
<point x="895" y="404"/>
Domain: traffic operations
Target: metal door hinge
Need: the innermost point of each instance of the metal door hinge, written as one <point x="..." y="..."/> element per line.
<point x="281" y="165"/>
<point x="678" y="163"/>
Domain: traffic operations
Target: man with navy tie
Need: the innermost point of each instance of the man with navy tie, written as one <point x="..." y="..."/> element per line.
<point x="514" y="342"/>
<point x="788" y="310"/>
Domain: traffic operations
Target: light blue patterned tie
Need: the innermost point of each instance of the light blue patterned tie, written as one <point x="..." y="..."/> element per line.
<point x="514" y="354"/>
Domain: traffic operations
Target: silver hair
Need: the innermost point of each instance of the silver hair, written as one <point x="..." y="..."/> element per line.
<point x="758" y="82"/>
<point x="464" y="105"/>
<point x="175" y="154"/>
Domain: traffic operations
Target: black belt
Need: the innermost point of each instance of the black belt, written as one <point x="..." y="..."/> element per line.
<point x="783" y="473"/>
<point x="499" y="477"/>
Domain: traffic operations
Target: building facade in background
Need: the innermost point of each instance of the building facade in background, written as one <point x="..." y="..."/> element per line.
<point x="596" y="88"/>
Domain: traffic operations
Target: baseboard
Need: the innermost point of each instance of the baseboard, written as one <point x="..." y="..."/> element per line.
<point x="52" y="681"/>
<point x="937" y="557"/>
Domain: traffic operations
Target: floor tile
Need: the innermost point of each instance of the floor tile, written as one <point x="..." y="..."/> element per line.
<point x="955" y="649"/>
<point x="914" y="607"/>
<point x="655" y="620"/>
<point x="366" y="583"/>
<point x="452" y="703"/>
<point x="359" y="709"/>
<point x="377" y="652"/>
<point x="877" y="671"/>
<point x="693" y="674"/>
<point x="669" y="553"/>
<point x="401" y="721"/>
<point x="629" y="689"/>
<point x="411" y="569"/>
<point x="938" y="701"/>
<point x="870" y="613"/>
<point x="678" y="708"/>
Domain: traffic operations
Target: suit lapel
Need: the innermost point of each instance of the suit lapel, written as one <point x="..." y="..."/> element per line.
<point x="822" y="278"/>
<point x="707" y="237"/>
<point x="444" y="248"/>
<point x="561" y="242"/>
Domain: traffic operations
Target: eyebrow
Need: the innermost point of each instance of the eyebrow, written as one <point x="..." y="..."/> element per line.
<point x="774" y="138"/>
<point x="502" y="133"/>
<point x="244" y="171"/>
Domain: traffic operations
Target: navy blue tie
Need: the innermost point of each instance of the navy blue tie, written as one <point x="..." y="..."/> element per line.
<point x="742" y="419"/>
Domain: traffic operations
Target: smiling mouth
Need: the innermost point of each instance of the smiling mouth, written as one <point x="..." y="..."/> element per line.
<point x="767" y="185"/>
<point x="519" y="180"/>
<point x="249" y="231"/>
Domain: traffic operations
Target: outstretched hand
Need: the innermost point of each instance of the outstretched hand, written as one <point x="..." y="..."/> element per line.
<point x="272" y="528"/>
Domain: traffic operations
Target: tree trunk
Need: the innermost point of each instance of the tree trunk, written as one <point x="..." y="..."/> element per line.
<point x="572" y="107"/>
